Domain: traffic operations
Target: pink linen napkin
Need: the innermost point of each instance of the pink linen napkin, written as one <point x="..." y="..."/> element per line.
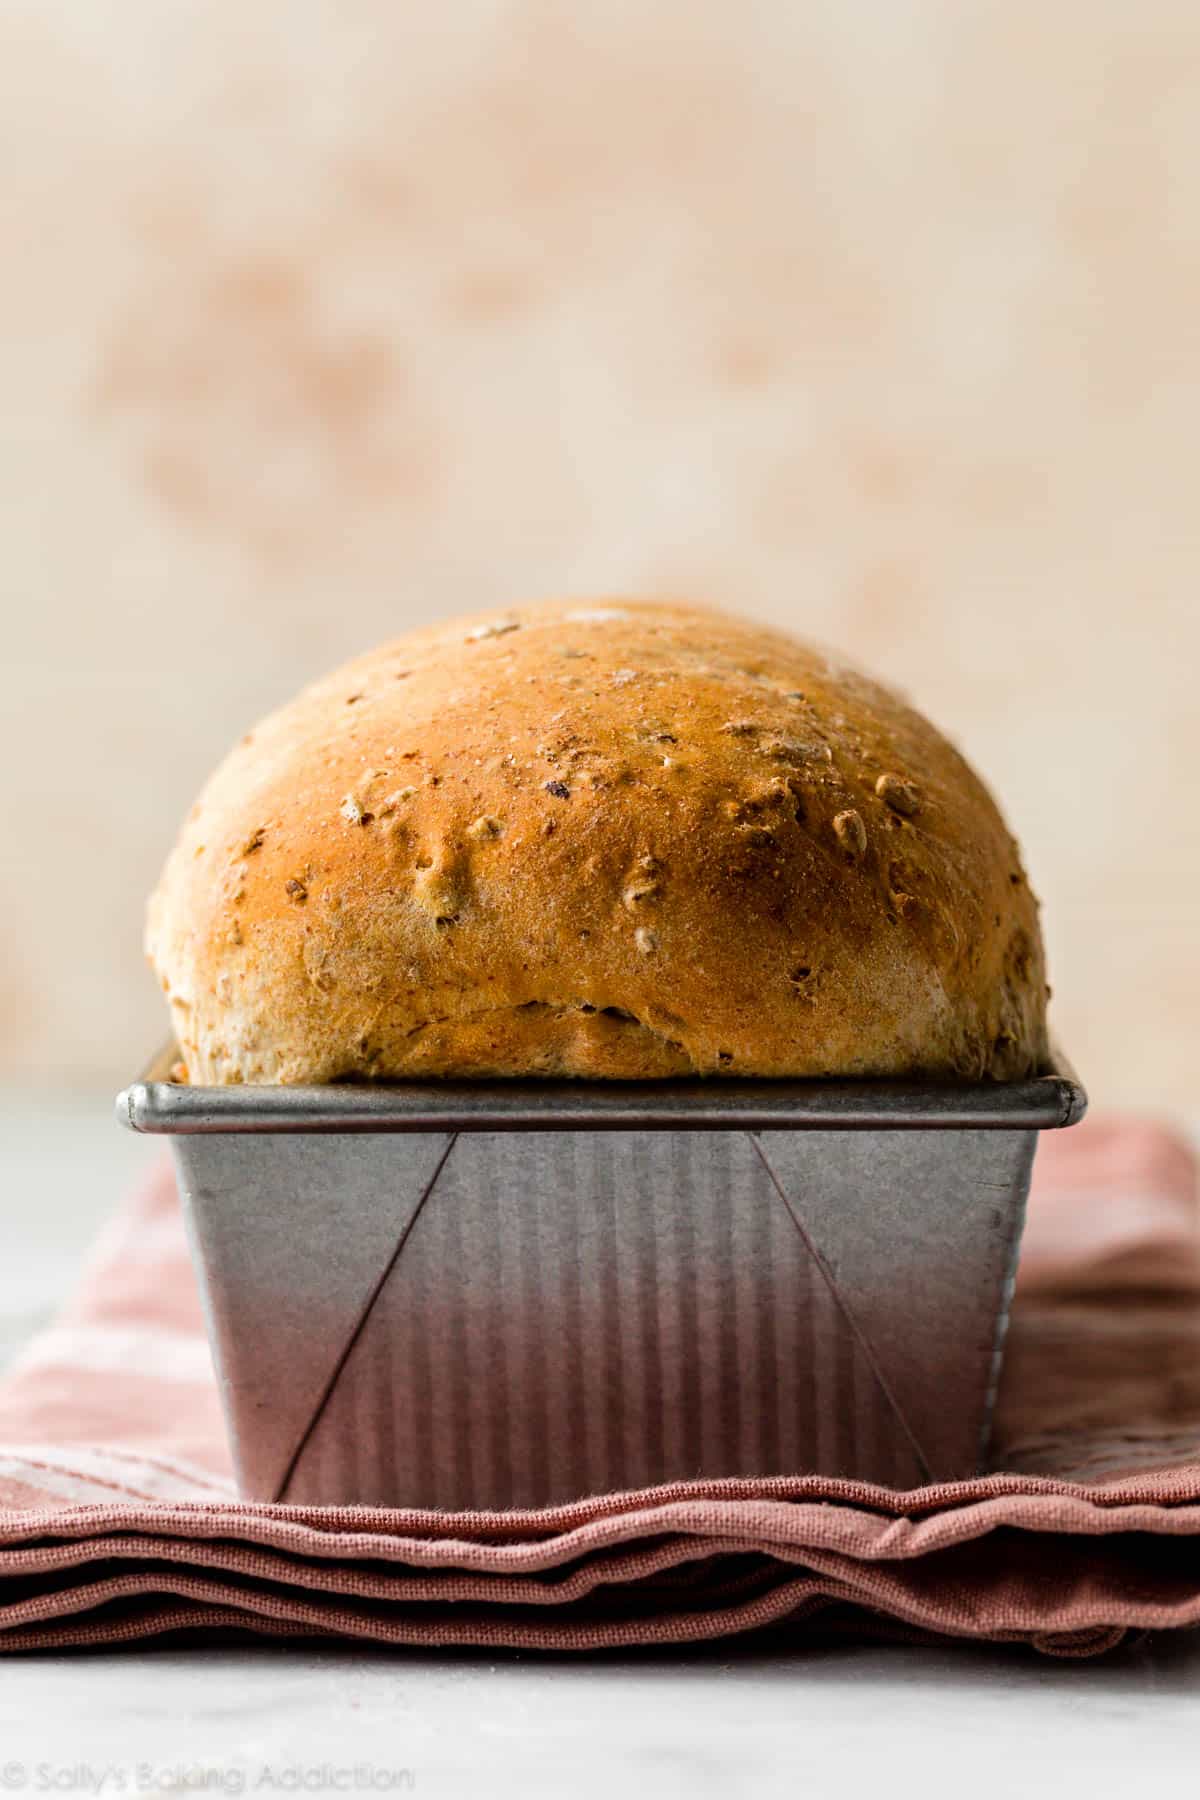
<point x="119" y="1520"/>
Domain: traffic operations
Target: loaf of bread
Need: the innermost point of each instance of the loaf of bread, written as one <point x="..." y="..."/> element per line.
<point x="619" y="839"/>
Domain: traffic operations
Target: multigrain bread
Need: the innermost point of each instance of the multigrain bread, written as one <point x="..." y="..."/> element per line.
<point x="609" y="840"/>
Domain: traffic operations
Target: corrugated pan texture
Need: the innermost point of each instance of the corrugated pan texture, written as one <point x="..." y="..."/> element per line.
<point x="520" y="1318"/>
<point x="568" y="1337"/>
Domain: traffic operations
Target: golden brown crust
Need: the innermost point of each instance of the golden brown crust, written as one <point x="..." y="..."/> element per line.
<point x="621" y="839"/>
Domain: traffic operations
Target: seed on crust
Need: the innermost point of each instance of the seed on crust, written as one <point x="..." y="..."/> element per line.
<point x="850" y="832"/>
<point x="899" y="794"/>
<point x="796" y="750"/>
<point x="493" y="628"/>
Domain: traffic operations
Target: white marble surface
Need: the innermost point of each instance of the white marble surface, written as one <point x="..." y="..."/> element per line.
<point x="723" y="1720"/>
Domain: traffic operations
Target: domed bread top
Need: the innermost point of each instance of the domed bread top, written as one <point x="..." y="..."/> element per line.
<point x="620" y="839"/>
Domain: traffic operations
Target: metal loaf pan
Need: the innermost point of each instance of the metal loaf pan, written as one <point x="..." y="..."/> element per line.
<point x="496" y="1294"/>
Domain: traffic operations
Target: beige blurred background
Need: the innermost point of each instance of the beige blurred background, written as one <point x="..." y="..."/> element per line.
<point x="322" y="317"/>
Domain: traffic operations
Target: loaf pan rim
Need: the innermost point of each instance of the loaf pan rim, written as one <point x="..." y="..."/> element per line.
<point x="1048" y="1101"/>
